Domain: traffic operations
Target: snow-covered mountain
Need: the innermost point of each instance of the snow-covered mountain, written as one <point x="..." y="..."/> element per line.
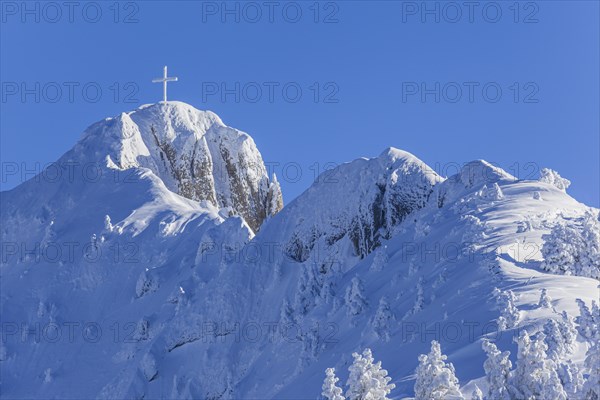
<point x="156" y="261"/>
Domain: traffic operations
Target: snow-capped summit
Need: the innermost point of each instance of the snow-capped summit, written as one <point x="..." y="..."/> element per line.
<point x="191" y="151"/>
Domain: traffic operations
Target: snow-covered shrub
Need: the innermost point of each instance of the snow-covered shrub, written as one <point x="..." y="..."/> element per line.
<point x="330" y="389"/>
<point x="436" y="379"/>
<point x="367" y="380"/>
<point x="535" y="376"/>
<point x="497" y="368"/>
<point x="573" y="248"/>
<point x="545" y="300"/>
<point x="356" y="302"/>
<point x="552" y="177"/>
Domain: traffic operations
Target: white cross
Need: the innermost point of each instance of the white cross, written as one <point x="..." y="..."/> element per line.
<point x="164" y="81"/>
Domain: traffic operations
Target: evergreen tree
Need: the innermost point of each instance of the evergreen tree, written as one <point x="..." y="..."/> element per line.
<point x="552" y="177"/>
<point x="571" y="378"/>
<point x="356" y="302"/>
<point x="379" y="260"/>
<point x="588" y="323"/>
<point x="591" y="388"/>
<point x="509" y="314"/>
<point x="330" y="390"/>
<point x="573" y="248"/>
<point x="536" y="375"/>
<point x="436" y="379"/>
<point x="309" y="289"/>
<point x="497" y="368"/>
<point x="367" y="380"/>
<point x="382" y="320"/>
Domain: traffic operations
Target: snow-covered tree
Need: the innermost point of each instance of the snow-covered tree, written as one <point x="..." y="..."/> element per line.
<point x="477" y="394"/>
<point x="591" y="388"/>
<point x="536" y="375"/>
<point x="545" y="300"/>
<point x="436" y="379"/>
<point x="509" y="314"/>
<point x="552" y="177"/>
<point x="356" y="302"/>
<point x="588" y="322"/>
<point x="309" y="289"/>
<point x="571" y="378"/>
<point x="568" y="331"/>
<point x="559" y="339"/>
<point x="274" y="197"/>
<point x="311" y="343"/>
<point x="330" y="389"/>
<point x="573" y="248"/>
<point x="379" y="259"/>
<point x="286" y="315"/>
<point x="330" y="285"/>
<point x="367" y="380"/>
<point x="420" y="300"/>
<point x="108" y="226"/>
<point x="494" y="192"/>
<point x="497" y="368"/>
<point x="382" y="320"/>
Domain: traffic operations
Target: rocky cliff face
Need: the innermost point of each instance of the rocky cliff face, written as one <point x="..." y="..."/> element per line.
<point x="194" y="154"/>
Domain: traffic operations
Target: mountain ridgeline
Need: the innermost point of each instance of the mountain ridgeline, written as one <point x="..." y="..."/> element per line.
<point x="155" y="259"/>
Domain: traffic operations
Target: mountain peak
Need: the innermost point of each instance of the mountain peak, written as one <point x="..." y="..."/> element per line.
<point x="192" y="151"/>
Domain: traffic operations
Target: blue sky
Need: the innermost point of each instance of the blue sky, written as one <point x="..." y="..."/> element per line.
<point x="371" y="75"/>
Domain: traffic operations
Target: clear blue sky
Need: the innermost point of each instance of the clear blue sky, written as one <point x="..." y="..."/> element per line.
<point x="369" y="57"/>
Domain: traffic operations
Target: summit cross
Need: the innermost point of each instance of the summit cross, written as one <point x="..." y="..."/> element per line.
<point x="164" y="81"/>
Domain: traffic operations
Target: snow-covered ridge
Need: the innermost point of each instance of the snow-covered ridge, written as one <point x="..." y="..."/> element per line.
<point x="355" y="205"/>
<point x="192" y="303"/>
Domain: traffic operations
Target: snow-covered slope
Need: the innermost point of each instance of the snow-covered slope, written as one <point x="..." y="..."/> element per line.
<point x="170" y="297"/>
